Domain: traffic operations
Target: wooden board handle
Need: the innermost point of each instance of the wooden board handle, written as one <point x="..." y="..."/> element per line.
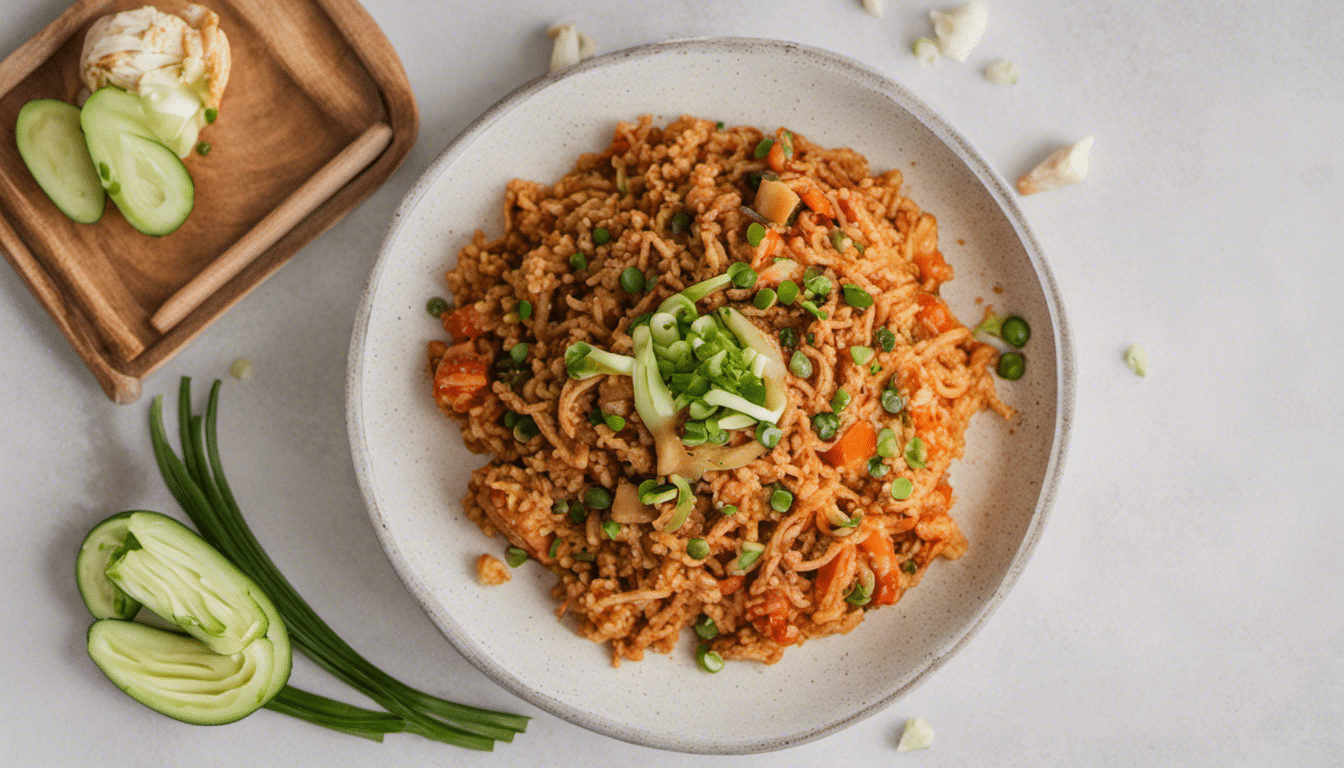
<point x="338" y="172"/>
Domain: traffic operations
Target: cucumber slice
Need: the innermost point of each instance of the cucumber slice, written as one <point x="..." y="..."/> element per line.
<point x="170" y="570"/>
<point x="51" y="144"/>
<point x="146" y="179"/>
<point x="104" y="599"/>
<point x="181" y="677"/>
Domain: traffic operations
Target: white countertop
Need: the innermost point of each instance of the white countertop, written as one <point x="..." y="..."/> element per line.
<point x="1184" y="604"/>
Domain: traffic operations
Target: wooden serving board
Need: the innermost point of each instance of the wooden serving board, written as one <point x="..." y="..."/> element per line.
<point x="318" y="113"/>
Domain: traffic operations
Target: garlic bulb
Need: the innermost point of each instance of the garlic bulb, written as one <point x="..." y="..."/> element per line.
<point x="177" y="63"/>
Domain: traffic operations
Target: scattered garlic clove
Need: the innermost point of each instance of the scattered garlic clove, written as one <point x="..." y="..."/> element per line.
<point x="1003" y="72"/>
<point x="1065" y="166"/>
<point x="925" y="50"/>
<point x="960" y="30"/>
<point x="918" y="734"/>
<point x="571" y="46"/>
<point x="875" y="7"/>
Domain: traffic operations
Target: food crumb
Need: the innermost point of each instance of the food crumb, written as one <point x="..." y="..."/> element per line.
<point x="1137" y="359"/>
<point x="918" y="734"/>
<point x="491" y="571"/>
<point x="241" y="369"/>
<point x="1066" y="165"/>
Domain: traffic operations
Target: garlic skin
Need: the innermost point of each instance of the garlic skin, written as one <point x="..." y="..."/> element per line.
<point x="120" y="48"/>
<point x="570" y="47"/>
<point x="960" y="30"/>
<point x="1067" y="165"/>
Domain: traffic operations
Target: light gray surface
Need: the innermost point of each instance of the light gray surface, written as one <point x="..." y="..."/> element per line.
<point x="1183" y="606"/>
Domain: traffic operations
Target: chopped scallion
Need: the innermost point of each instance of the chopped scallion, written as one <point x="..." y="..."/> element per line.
<point x="755" y="233"/>
<point x="840" y="400"/>
<point x="892" y="402"/>
<point x="856" y="297"/>
<point x="825" y="425"/>
<point x="886" y="443"/>
<point x="916" y="453"/>
<point x="787" y="292"/>
<point x="632" y="280"/>
<point x="780" y="501"/>
<point x="710" y="661"/>
<point x="741" y="274"/>
<point x="601" y="236"/>
<point x="763" y="148"/>
<point x="861" y="354"/>
<point x="885" y="339"/>
<point x="515" y="556"/>
<point x="524" y="309"/>
<point x="611" y="528"/>
<point x="706" y="628"/>
<point x="877" y="467"/>
<point x="764" y="299"/>
<point x="800" y="364"/>
<point x="597" y="497"/>
<point x="697" y="549"/>
<point x="901" y="488"/>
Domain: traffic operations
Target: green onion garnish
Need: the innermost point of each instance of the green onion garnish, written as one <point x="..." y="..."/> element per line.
<point x="436" y="306"/>
<point x="555" y="547"/>
<point x="764" y="299"/>
<point x="515" y="556"/>
<point x="578" y="512"/>
<point x="892" y="402"/>
<point x="877" y="467"/>
<point x="780" y="501"/>
<point x="788" y="337"/>
<point x="751" y="551"/>
<point x="524" y="309"/>
<point x="885" y="339"/>
<point x="601" y="236"/>
<point x="611" y="528"/>
<point x="856" y="297"/>
<point x="614" y="422"/>
<point x="597" y="497"/>
<point x="840" y="400"/>
<point x="706" y="628"/>
<point x="916" y="453"/>
<point x="825" y="425"/>
<point x="560" y="506"/>
<point x="710" y="661"/>
<point x="763" y="148"/>
<point x="800" y="364"/>
<point x="578" y="262"/>
<point x="768" y="434"/>
<point x="728" y="509"/>
<point x="525" y="429"/>
<point x="518" y="352"/>
<point x="909" y="567"/>
<point x="741" y="274"/>
<point x="755" y="233"/>
<point x="787" y="292"/>
<point x="886" y="443"/>
<point x="901" y="488"/>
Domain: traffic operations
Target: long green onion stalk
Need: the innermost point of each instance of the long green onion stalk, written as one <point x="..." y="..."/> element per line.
<point x="197" y="481"/>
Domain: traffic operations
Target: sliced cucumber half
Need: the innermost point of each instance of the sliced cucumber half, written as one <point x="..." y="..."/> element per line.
<point x="146" y="179"/>
<point x="52" y="145"/>
<point x="105" y="542"/>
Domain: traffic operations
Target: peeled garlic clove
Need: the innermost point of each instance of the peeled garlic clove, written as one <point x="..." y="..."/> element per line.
<point x="1064" y="166"/>
<point x="875" y="7"/>
<point x="960" y="30"/>
<point x="918" y="734"/>
<point x="571" y="46"/>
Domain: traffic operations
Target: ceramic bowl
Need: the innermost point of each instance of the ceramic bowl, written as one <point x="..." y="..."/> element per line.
<point x="413" y="468"/>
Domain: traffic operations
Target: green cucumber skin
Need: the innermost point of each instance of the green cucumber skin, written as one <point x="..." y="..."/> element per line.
<point x="119" y="138"/>
<point x="52" y="145"/>
<point x="104" y="599"/>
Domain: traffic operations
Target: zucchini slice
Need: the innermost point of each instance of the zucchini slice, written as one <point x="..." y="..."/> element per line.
<point x="170" y="570"/>
<point x="182" y="678"/>
<point x="104" y="599"/>
<point x="146" y="179"/>
<point x="52" y="145"/>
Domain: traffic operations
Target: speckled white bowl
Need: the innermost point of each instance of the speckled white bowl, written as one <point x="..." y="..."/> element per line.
<point x="413" y="469"/>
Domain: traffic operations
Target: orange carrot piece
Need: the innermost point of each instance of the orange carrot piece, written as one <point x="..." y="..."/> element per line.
<point x="814" y="199"/>
<point x="882" y="560"/>
<point x="853" y="448"/>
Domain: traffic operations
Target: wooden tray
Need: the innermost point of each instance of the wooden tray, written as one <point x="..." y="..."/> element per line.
<point x="317" y="115"/>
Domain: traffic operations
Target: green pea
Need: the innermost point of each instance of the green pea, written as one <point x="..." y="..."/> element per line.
<point x="742" y="275"/>
<point x="202" y="148"/>
<point x="597" y="497"/>
<point x="697" y="549"/>
<point x="632" y="280"/>
<point x="825" y="425"/>
<point x="800" y="365"/>
<point x="1012" y="365"/>
<point x="518" y="352"/>
<point x="819" y="285"/>
<point x="578" y="512"/>
<point x="525" y="429"/>
<point x="1015" y="331"/>
<point x="681" y="222"/>
<point x="601" y="236"/>
<point x="436" y="306"/>
<point x="211" y="114"/>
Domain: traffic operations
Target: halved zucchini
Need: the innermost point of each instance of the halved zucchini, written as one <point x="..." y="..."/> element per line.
<point x="146" y="179"/>
<point x="52" y="145"/>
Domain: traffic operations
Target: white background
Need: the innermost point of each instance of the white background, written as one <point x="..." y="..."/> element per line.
<point x="1183" y="607"/>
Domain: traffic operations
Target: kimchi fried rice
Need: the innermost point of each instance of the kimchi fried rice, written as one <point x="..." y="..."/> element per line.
<point x="718" y="388"/>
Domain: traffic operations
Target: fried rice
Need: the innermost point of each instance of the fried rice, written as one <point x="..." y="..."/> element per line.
<point x="851" y="506"/>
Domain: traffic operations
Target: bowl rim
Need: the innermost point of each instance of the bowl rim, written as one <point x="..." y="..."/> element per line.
<point x="903" y="98"/>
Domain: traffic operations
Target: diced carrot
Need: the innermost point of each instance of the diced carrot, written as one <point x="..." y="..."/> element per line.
<point x="933" y="268"/>
<point x="464" y="324"/>
<point x="731" y="585"/>
<point x="814" y="198"/>
<point x="771" y="617"/>
<point x="853" y="448"/>
<point x="934" y="315"/>
<point x="843" y="562"/>
<point x="882" y="560"/>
